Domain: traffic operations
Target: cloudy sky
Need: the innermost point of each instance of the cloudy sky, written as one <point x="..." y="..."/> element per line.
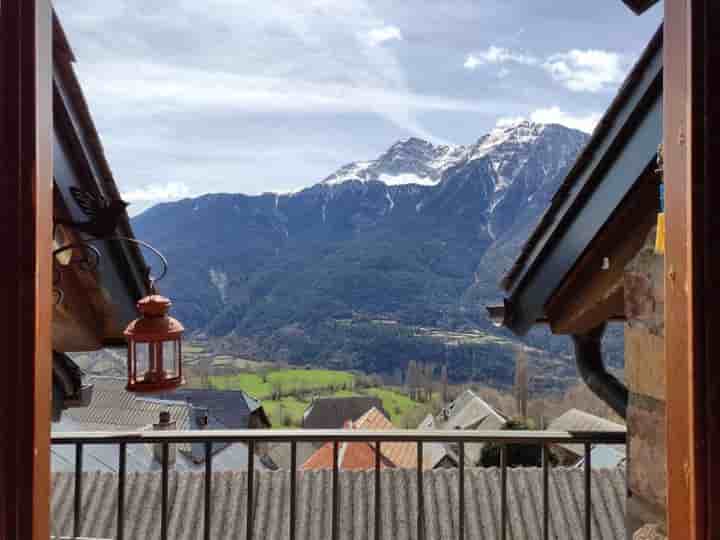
<point x="249" y="96"/>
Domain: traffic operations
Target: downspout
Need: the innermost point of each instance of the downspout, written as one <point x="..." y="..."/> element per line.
<point x="589" y="359"/>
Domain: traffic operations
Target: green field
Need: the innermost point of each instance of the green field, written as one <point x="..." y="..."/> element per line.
<point x="286" y="412"/>
<point x="302" y="385"/>
<point x="285" y="380"/>
<point x="395" y="403"/>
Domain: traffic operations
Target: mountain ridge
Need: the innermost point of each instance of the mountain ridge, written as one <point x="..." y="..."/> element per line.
<point x="277" y="271"/>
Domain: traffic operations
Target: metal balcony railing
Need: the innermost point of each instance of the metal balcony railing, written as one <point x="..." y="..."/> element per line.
<point x="293" y="437"/>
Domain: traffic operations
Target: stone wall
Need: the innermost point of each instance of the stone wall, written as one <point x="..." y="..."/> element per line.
<point x="645" y="377"/>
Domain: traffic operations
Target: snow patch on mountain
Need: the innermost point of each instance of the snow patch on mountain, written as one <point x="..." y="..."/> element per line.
<point x="220" y="281"/>
<point x="406" y="178"/>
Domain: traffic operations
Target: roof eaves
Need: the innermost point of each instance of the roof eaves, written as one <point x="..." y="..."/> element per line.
<point x="636" y="101"/>
<point x="69" y="92"/>
<point x="599" y="134"/>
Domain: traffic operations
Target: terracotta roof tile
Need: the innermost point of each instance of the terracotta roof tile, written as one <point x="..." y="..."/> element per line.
<point x="360" y="455"/>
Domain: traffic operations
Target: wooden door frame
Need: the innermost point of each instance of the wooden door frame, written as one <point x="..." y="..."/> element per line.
<point x="691" y="145"/>
<point x="25" y="270"/>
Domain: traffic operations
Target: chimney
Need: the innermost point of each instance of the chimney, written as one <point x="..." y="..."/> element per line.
<point x="200" y="415"/>
<point x="164" y="424"/>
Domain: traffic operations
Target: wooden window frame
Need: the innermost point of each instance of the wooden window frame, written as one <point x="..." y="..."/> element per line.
<point x="691" y="145"/>
<point x="25" y="273"/>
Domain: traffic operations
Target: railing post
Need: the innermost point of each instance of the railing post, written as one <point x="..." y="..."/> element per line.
<point x="503" y="491"/>
<point x="77" y="510"/>
<point x="420" y="493"/>
<point x="588" y="493"/>
<point x="250" y="488"/>
<point x="293" y="487"/>
<point x="378" y="457"/>
<point x="461" y="488"/>
<point x="546" y="492"/>
<point x="164" y="501"/>
<point x="335" y="507"/>
<point x="122" y="459"/>
<point x="207" y="516"/>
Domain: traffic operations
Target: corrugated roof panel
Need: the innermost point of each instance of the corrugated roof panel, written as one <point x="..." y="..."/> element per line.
<point x="398" y="506"/>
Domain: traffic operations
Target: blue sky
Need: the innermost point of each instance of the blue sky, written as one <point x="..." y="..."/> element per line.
<point x="245" y="96"/>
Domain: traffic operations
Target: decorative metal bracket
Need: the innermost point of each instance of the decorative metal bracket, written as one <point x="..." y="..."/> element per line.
<point x="90" y="263"/>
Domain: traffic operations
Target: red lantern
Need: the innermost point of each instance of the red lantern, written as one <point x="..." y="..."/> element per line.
<point x="154" y="348"/>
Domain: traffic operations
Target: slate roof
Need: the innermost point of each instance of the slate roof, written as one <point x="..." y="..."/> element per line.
<point x="117" y="409"/>
<point x="361" y="455"/>
<point x="332" y="413"/>
<point x="577" y="420"/>
<point x="399" y="504"/>
<point x="140" y="457"/>
<point x="112" y="408"/>
<point x="232" y="408"/>
<point x="467" y="411"/>
<point x="435" y="452"/>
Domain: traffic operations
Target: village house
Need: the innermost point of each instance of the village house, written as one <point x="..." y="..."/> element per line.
<point x="360" y="456"/>
<point x="575" y="420"/>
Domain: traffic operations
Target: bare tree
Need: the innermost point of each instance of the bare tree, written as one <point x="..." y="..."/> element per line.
<point x="444" y="383"/>
<point x="428" y="381"/>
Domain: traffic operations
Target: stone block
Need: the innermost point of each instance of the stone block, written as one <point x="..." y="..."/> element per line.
<point x="645" y="362"/>
<point x="646" y="440"/>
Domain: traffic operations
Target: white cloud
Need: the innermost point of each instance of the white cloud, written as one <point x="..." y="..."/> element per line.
<point x="171" y="89"/>
<point x="554" y="115"/>
<point x="586" y="71"/>
<point x="377" y="36"/>
<point x="507" y="121"/>
<point x="590" y="70"/>
<point x="472" y="62"/>
<point x="497" y="55"/>
<point x="157" y="192"/>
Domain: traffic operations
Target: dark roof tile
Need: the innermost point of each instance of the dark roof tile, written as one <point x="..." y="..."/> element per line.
<point x="332" y="413"/>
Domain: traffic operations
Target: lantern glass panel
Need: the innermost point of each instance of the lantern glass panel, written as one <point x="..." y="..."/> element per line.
<point x="142" y="359"/>
<point x="170" y="358"/>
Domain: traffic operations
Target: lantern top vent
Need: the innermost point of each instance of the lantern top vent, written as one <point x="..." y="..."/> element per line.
<point x="154" y="324"/>
<point x="154" y="305"/>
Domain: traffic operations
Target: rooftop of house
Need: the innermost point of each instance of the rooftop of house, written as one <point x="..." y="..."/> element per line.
<point x="112" y="408"/>
<point x="361" y="455"/>
<point x="334" y="412"/>
<point x="467" y="411"/>
<point x="434" y="453"/>
<point x="142" y="457"/>
<point x="577" y="420"/>
<point x="232" y="408"/>
<point x="356" y="519"/>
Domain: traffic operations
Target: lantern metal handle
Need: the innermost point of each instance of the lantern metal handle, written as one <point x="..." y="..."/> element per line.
<point x="160" y="256"/>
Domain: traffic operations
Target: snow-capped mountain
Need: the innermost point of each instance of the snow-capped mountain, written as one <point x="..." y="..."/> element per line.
<point x="415" y="161"/>
<point x="409" y="161"/>
<point x="409" y="236"/>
